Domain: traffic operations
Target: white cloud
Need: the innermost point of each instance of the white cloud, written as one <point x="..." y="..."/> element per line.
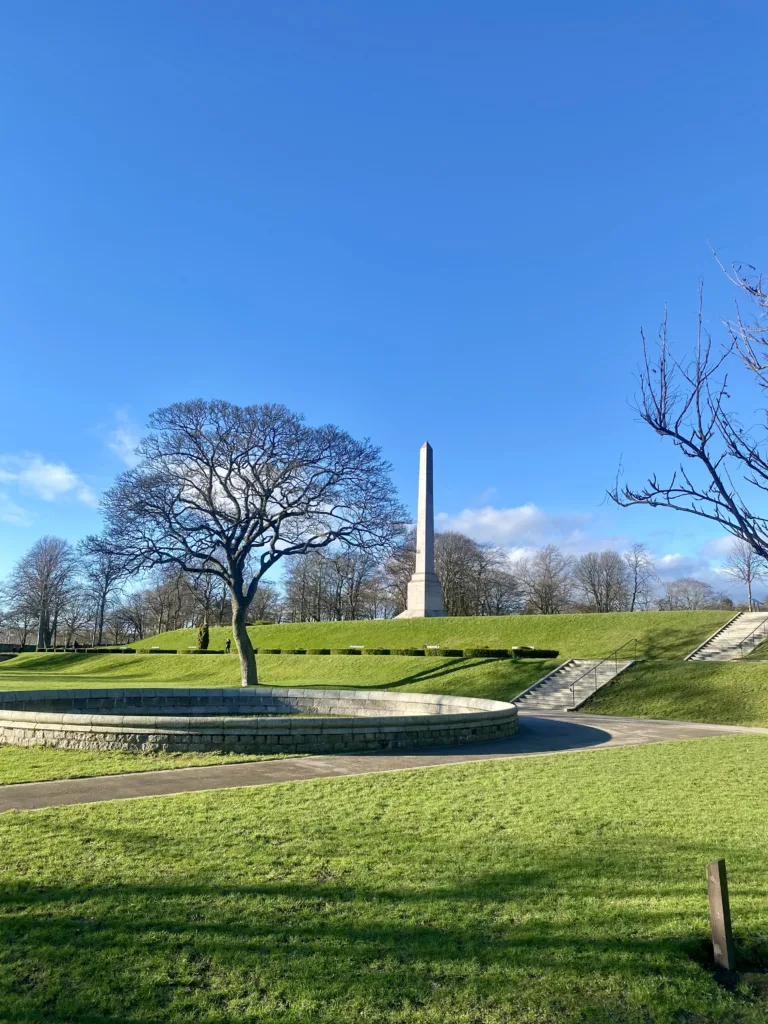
<point x="12" y="513"/>
<point x="49" y="481"/>
<point x="124" y="438"/>
<point x="526" y="525"/>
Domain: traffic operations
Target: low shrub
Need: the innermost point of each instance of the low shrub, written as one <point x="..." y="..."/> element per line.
<point x="411" y="652"/>
<point x="485" y="652"/>
<point x="345" y="650"/>
<point x="200" y="650"/>
<point x="298" y="650"/>
<point x="319" y="650"/>
<point x="160" y="650"/>
<point x="111" y="650"/>
<point x="376" y="650"/>
<point x="270" y="650"/>
<point x="449" y="652"/>
<point x="533" y="652"/>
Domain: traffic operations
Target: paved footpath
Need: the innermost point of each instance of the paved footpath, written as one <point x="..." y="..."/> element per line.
<point x="555" y="733"/>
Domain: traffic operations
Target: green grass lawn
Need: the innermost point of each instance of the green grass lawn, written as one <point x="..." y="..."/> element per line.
<point x="661" y="634"/>
<point x="726" y="692"/>
<point x="39" y="764"/>
<point x="547" y="890"/>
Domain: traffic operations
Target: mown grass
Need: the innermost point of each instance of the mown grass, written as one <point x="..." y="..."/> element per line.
<point x="549" y="890"/>
<point x="40" y="764"/>
<point x="725" y="692"/>
<point x="661" y="634"/>
<point x="498" y="679"/>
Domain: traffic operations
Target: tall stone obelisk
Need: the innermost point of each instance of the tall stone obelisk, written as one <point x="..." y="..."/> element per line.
<point x="425" y="595"/>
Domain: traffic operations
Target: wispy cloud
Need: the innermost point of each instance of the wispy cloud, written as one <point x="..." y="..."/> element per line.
<point x="520" y="526"/>
<point x="12" y="513"/>
<point x="124" y="438"/>
<point x="34" y="476"/>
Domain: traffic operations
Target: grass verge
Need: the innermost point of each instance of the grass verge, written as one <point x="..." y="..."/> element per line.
<point x="553" y="890"/>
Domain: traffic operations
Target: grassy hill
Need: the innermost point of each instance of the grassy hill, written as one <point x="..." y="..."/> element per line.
<point x="566" y="889"/>
<point x="661" y="634"/>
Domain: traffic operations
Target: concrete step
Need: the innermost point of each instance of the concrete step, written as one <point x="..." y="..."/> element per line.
<point x="569" y="685"/>
<point x="736" y="638"/>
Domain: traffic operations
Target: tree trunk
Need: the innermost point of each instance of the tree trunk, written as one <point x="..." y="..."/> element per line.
<point x="248" y="674"/>
<point x="749" y="592"/>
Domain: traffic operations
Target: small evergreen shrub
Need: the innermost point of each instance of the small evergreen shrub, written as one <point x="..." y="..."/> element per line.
<point x="198" y="650"/>
<point x="345" y="650"/>
<point x="203" y="637"/>
<point x="319" y="650"/>
<point x="376" y="650"/>
<point x="433" y="652"/>
<point x="270" y="650"/>
<point x="160" y="650"/>
<point x="411" y="652"/>
<point x="298" y="650"/>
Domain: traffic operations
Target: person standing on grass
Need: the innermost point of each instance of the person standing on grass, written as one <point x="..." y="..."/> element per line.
<point x="227" y="645"/>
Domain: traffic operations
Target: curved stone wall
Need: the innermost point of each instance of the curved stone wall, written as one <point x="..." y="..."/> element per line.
<point x="223" y="719"/>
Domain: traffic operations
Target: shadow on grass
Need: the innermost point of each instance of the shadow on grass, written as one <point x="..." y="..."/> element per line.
<point x="98" y="953"/>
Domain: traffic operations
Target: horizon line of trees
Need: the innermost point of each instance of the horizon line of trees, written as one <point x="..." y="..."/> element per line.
<point x="58" y="594"/>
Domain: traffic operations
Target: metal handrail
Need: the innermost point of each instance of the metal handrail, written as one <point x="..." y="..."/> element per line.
<point x="760" y="625"/>
<point x="596" y="666"/>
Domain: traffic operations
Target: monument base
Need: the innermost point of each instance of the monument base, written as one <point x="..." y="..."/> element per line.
<point x="425" y="597"/>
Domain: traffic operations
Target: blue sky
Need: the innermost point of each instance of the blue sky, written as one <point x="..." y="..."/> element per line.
<point x="422" y="220"/>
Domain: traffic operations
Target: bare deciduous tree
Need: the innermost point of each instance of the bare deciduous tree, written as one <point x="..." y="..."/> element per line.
<point x="745" y="566"/>
<point x="723" y="474"/>
<point x="642" y="577"/>
<point x="604" y="580"/>
<point x="547" y="580"/>
<point x="687" y="594"/>
<point x="103" y="571"/>
<point x="228" y="491"/>
<point x="39" y="584"/>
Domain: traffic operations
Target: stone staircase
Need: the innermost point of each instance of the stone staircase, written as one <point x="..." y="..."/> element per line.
<point x="737" y="637"/>
<point x="553" y="692"/>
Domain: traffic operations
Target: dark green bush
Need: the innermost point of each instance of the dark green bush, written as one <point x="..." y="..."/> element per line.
<point x="319" y="650"/>
<point x="411" y="652"/>
<point x="270" y="650"/>
<point x="485" y="652"/>
<point x="111" y="650"/>
<point x="376" y="650"/>
<point x="298" y="650"/>
<point x="160" y="650"/>
<point x="533" y="652"/>
<point x="433" y="652"/>
<point x="203" y="637"/>
<point x="198" y="650"/>
<point x="346" y="650"/>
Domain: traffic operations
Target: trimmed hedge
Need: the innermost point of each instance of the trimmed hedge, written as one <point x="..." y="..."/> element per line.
<point x="319" y="650"/>
<point x="269" y="650"/>
<point x="110" y="650"/>
<point x="346" y="650"/>
<point x="200" y="650"/>
<point x="411" y="652"/>
<point x="376" y="650"/>
<point x="298" y="650"/>
<point x="533" y="652"/>
<point x="485" y="652"/>
<point x="159" y="650"/>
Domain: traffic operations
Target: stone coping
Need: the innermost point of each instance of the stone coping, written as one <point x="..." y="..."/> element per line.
<point x="202" y="719"/>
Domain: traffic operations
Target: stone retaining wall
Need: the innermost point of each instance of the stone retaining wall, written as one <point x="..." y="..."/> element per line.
<point x="200" y="719"/>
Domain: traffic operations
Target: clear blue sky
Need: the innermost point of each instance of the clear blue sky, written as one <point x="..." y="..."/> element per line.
<point x="417" y="220"/>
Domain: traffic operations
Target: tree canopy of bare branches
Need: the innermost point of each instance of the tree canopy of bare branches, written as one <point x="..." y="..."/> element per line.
<point x="745" y="566"/>
<point x="228" y="491"/>
<point x="723" y="473"/>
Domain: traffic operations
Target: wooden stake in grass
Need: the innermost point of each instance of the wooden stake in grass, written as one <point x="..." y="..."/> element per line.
<point x="720" y="915"/>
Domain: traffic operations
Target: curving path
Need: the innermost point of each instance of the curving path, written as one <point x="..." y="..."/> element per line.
<point x="555" y="733"/>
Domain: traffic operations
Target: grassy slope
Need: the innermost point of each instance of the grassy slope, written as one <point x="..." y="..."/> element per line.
<point x="549" y="890"/>
<point x="661" y="634"/>
<point x="731" y="693"/>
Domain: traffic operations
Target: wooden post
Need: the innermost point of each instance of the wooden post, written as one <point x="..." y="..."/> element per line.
<point x="720" y="915"/>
